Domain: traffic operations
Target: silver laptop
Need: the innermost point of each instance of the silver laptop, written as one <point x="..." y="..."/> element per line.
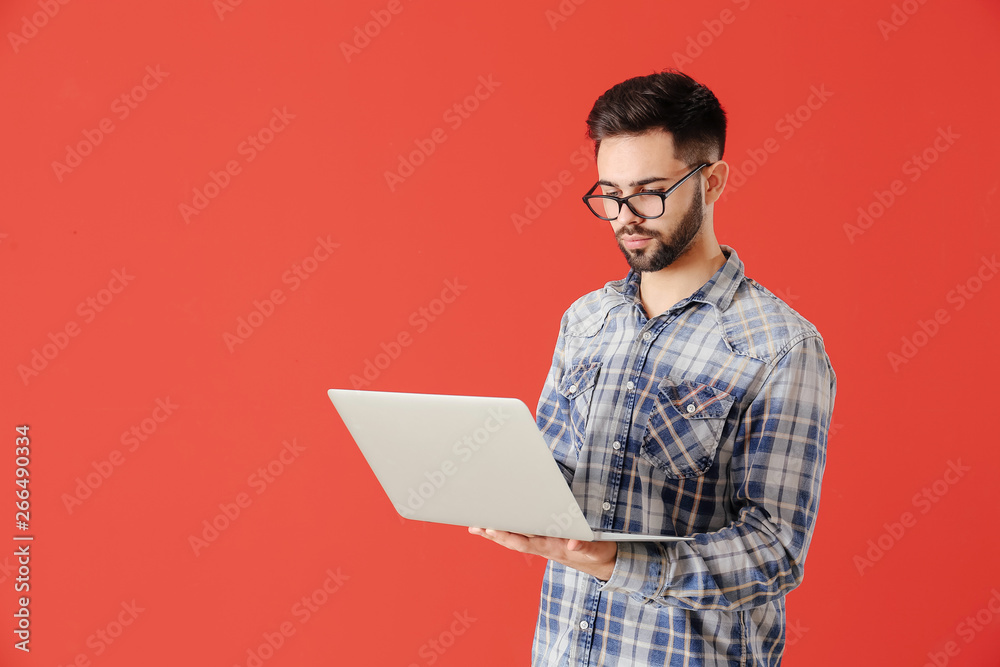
<point x="467" y="461"/>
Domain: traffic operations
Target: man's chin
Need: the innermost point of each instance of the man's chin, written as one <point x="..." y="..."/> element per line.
<point x="648" y="260"/>
<point x="630" y="256"/>
<point x="640" y="259"/>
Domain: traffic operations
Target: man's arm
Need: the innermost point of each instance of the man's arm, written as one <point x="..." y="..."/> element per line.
<point x="777" y="465"/>
<point x="552" y="414"/>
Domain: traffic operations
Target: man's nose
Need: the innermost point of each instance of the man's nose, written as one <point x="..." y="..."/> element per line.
<point x="626" y="216"/>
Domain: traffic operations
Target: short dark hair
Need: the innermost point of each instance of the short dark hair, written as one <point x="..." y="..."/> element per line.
<point x="669" y="100"/>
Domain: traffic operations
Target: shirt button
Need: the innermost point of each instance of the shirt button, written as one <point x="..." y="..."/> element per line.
<point x="691" y="408"/>
<point x="647" y="336"/>
<point x="630" y="385"/>
<point x="584" y="625"/>
<point x="616" y="445"/>
<point x="606" y="505"/>
<point x="572" y="389"/>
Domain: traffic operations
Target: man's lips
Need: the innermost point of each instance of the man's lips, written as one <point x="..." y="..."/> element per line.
<point x="634" y="240"/>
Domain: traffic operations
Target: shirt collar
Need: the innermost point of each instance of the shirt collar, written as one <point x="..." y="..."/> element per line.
<point x="718" y="291"/>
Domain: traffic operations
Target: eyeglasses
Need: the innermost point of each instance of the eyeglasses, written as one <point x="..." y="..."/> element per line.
<point x="646" y="205"/>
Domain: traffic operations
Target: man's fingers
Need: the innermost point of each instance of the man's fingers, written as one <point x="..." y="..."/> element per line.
<point x="510" y="540"/>
<point x="577" y="554"/>
<point x="517" y="541"/>
<point x="547" y="547"/>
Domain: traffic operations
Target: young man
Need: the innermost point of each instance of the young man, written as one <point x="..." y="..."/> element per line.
<point x="685" y="399"/>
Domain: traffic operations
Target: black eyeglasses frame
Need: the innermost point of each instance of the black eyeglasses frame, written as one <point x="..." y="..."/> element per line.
<point x="587" y="198"/>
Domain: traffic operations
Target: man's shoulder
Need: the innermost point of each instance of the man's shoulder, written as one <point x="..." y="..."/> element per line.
<point x="586" y="315"/>
<point x="756" y="322"/>
<point x="760" y="324"/>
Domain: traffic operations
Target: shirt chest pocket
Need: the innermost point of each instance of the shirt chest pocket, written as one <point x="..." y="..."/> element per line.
<point x="577" y="388"/>
<point x="685" y="427"/>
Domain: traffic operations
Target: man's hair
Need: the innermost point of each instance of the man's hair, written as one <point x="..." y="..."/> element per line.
<point x="669" y="100"/>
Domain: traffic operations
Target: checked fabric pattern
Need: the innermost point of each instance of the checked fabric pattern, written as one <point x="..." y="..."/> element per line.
<point x="709" y="420"/>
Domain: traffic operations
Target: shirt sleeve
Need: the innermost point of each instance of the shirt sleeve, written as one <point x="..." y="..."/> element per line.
<point x="776" y="469"/>
<point x="552" y="415"/>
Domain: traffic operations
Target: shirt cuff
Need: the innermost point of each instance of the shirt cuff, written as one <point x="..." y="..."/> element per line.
<point x="640" y="568"/>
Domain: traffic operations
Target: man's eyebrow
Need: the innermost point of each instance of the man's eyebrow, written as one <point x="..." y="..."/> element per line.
<point x="636" y="184"/>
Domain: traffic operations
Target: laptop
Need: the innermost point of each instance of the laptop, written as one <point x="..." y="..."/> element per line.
<point x="467" y="461"/>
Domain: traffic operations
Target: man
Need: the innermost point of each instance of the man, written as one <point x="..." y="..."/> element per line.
<point x="685" y="399"/>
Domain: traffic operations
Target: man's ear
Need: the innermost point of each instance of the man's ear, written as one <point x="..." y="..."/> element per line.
<point x="716" y="177"/>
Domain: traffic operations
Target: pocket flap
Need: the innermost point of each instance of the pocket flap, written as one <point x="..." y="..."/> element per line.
<point x="694" y="400"/>
<point x="579" y="379"/>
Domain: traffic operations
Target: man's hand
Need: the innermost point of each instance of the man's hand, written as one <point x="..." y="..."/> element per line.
<point x="594" y="558"/>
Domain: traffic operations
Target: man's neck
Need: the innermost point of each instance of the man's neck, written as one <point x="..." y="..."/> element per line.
<point x="660" y="290"/>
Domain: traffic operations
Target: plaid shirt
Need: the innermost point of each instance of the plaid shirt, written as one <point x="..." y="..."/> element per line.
<point x="708" y="420"/>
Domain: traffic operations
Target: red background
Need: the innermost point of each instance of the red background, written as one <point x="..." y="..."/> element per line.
<point x="896" y="425"/>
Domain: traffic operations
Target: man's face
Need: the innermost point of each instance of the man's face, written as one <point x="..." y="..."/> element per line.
<point x="646" y="163"/>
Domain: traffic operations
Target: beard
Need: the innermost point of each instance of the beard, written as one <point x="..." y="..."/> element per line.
<point x="663" y="251"/>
